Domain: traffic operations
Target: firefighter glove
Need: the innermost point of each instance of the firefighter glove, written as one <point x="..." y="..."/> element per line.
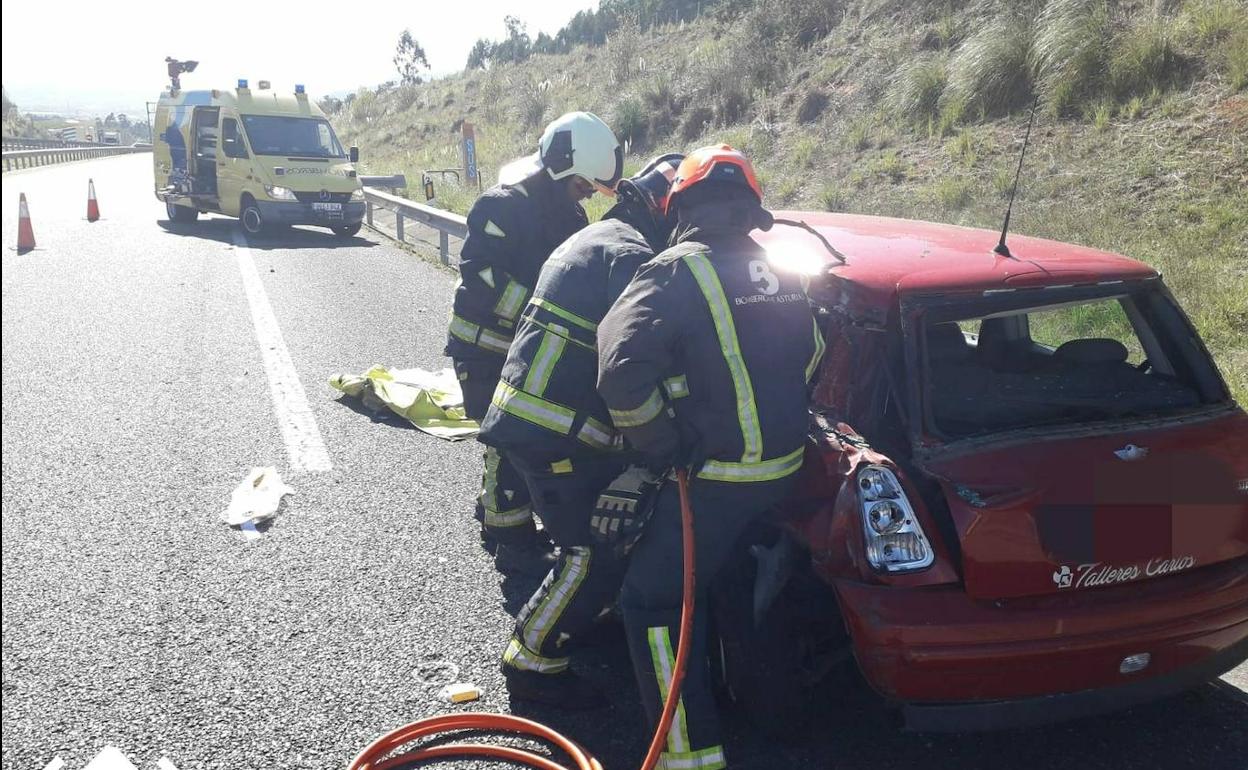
<point x="623" y="509"/>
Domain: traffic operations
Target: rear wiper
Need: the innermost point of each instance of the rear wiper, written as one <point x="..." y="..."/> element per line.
<point x="826" y="243"/>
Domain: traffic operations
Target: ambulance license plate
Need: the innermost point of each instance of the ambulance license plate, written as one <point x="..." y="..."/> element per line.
<point x="327" y="207"/>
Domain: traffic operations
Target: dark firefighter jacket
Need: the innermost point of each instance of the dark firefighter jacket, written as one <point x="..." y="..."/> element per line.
<point x="546" y="407"/>
<point x="512" y="229"/>
<point x="705" y="359"/>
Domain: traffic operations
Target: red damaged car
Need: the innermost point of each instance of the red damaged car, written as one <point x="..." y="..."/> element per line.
<point x="1025" y="498"/>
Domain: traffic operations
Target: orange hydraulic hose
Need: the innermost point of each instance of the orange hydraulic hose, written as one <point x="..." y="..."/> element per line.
<point x="371" y="758"/>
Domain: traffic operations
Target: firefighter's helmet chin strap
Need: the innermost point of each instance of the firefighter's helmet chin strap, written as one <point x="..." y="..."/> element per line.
<point x="826" y="243"/>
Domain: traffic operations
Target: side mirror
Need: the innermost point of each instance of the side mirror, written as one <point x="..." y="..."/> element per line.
<point x="355" y="154"/>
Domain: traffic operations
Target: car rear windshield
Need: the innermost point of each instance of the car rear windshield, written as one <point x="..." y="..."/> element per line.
<point x="1001" y="365"/>
<point x="295" y="137"/>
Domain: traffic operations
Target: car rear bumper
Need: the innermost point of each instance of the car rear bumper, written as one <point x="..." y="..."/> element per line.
<point x="294" y="213"/>
<point x="959" y="663"/>
<point x="997" y="715"/>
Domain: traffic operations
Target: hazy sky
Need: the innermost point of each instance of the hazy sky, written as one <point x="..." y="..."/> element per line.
<point x="111" y="55"/>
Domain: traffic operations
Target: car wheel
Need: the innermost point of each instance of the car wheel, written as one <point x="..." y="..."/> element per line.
<point x="251" y="218"/>
<point x="346" y="231"/>
<point x="180" y="213"/>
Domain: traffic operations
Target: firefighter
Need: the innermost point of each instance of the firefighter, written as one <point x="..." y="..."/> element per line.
<point x="547" y="418"/>
<point x="512" y="229"/>
<point x="704" y="363"/>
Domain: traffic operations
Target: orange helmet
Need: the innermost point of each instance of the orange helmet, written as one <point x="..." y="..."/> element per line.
<point x="717" y="163"/>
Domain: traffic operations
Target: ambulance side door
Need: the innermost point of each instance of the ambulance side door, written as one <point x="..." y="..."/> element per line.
<point x="234" y="166"/>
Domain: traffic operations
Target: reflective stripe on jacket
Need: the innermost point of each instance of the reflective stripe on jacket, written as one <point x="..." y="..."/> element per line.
<point x="546" y="406"/>
<point x="736" y="336"/>
<point x="512" y="229"/>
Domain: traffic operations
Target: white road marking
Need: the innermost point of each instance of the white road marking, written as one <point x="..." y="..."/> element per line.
<point x="165" y="764"/>
<point x="304" y="445"/>
<point x="110" y="758"/>
<point x="55" y="764"/>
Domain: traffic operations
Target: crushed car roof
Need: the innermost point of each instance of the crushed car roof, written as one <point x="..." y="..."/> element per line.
<point x="887" y="257"/>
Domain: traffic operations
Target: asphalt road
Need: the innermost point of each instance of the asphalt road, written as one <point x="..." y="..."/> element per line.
<point x="135" y="398"/>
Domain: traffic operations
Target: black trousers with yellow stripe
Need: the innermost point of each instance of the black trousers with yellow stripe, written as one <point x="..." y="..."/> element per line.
<point x="504" y="504"/>
<point x="651" y="599"/>
<point x="585" y="579"/>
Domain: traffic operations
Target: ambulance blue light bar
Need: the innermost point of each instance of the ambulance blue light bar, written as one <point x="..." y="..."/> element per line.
<point x="242" y="82"/>
<point x="299" y="88"/>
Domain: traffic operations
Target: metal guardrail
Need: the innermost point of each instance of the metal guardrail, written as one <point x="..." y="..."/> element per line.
<point x="31" y="158"/>
<point x="391" y="183"/>
<point x="35" y="143"/>
<point x="447" y="224"/>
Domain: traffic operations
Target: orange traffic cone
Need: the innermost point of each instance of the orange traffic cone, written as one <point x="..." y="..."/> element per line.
<point x="25" y="233"/>
<point x="93" y="208"/>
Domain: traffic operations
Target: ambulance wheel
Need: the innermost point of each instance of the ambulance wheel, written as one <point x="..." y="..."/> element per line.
<point x="251" y="218"/>
<point x="180" y="213"/>
<point x="346" y="231"/>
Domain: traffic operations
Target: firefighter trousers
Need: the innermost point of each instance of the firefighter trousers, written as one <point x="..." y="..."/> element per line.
<point x="585" y="579"/>
<point x="651" y="600"/>
<point x="503" y="505"/>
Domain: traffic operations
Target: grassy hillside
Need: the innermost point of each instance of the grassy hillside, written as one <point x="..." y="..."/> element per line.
<point x="911" y="109"/>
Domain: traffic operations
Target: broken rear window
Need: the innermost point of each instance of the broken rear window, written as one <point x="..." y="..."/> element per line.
<point x="1028" y="360"/>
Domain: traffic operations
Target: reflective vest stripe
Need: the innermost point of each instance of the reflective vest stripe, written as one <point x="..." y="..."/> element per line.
<point x="554" y="602"/>
<point x="548" y="353"/>
<point x="536" y="410"/>
<point x="664" y="661"/>
<point x="706" y="759"/>
<point x="561" y="331"/>
<point x="725" y="329"/>
<point x="820" y="346"/>
<point x="512" y="301"/>
<point x="647" y="411"/>
<point x="566" y="315"/>
<point x="676" y="387"/>
<point x="767" y="470"/>
<point x="473" y="334"/>
<point x="598" y="435"/>
<point x="527" y="660"/>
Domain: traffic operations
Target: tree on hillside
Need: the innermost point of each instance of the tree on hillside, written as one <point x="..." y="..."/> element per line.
<point x="409" y="59"/>
<point x="516" y="47"/>
<point x="9" y="107"/>
<point x="479" y="56"/>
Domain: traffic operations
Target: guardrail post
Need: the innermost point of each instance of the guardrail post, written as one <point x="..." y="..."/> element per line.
<point x="368" y="212"/>
<point x="398" y="225"/>
<point x="444" y="247"/>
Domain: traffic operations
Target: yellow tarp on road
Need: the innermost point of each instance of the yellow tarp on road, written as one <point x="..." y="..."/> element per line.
<point x="430" y="401"/>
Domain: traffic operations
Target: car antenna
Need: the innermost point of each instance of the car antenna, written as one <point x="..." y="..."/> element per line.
<point x="1001" y="248"/>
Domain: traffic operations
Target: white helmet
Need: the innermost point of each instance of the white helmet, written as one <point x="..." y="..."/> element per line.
<point x="580" y="144"/>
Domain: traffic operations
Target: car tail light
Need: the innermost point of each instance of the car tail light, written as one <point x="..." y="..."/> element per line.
<point x="894" y="537"/>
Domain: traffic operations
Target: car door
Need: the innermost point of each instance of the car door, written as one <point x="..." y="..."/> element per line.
<point x="233" y="165"/>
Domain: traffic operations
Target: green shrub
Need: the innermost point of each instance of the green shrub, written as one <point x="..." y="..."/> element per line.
<point x="532" y="101"/>
<point x="890" y="165"/>
<point x="1003" y="181"/>
<point x="1209" y="22"/>
<point x="1069" y="54"/>
<point x="804" y="151"/>
<point x="1237" y="61"/>
<point x="786" y="191"/>
<point x="952" y="193"/>
<point x="1132" y="109"/>
<point x="630" y="122"/>
<point x="915" y="95"/>
<point x="991" y="72"/>
<point x="962" y="148"/>
<point x="1143" y="58"/>
<point x="1101" y="113"/>
<point x="859" y="135"/>
<point x="832" y="198"/>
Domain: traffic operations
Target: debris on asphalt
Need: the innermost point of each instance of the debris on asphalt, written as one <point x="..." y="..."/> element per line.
<point x="461" y="692"/>
<point x="431" y="401"/>
<point x="256" y="499"/>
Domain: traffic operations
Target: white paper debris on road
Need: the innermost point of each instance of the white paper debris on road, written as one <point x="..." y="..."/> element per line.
<point x="256" y="499"/>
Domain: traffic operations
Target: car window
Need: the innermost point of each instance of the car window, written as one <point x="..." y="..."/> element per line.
<point x="1054" y="364"/>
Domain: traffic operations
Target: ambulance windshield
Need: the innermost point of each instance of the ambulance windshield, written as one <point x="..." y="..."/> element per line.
<point x="298" y="137"/>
